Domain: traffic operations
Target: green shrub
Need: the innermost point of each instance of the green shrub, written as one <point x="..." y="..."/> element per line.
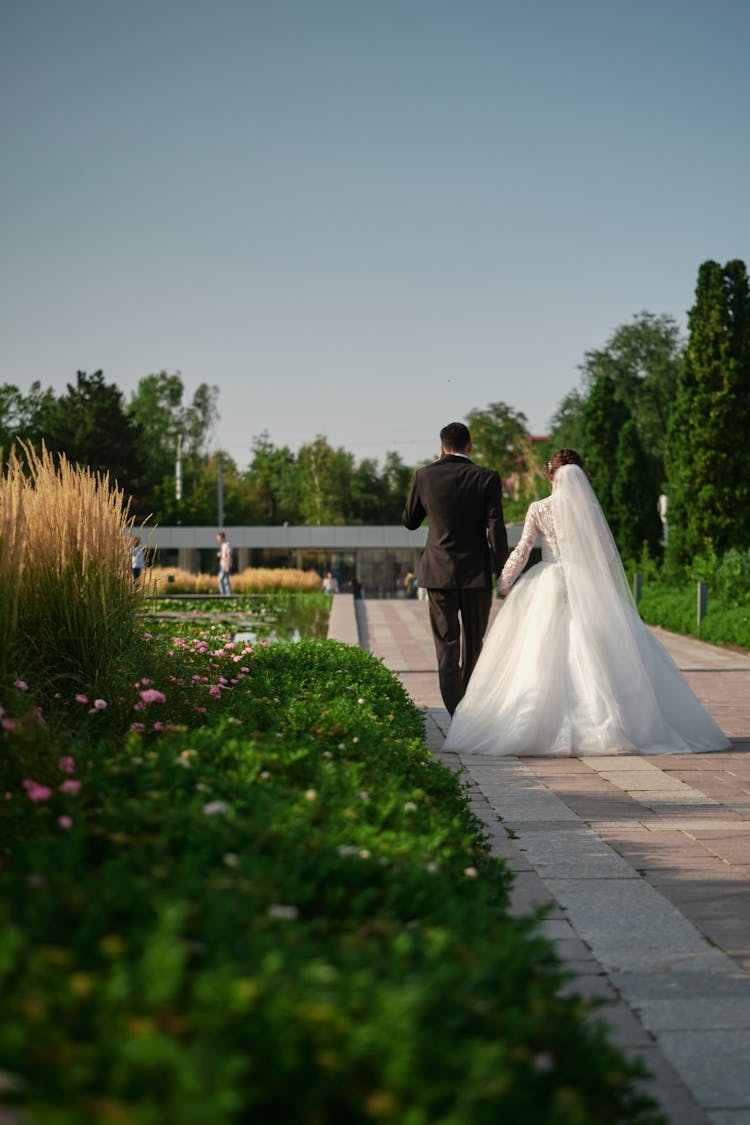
<point x="288" y="914"/>
<point x="671" y="608"/>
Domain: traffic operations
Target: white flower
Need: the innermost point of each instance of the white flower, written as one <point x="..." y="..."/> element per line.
<point x="216" y="808"/>
<point x="471" y="872"/>
<point x="231" y="859"/>
<point x="542" y="1062"/>
<point x="410" y="806"/>
<point x="279" y="910"/>
<point x="310" y="795"/>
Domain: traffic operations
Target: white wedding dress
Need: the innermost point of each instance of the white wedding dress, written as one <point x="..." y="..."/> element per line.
<point x="568" y="667"/>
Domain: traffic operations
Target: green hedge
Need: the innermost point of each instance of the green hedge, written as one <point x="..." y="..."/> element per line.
<point x="725" y="623"/>
<point x="287" y="915"/>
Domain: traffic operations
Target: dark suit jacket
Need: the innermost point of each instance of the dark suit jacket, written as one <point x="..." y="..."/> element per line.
<point x="463" y="503"/>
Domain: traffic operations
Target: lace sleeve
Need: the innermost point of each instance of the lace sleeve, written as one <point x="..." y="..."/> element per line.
<point x="517" y="558"/>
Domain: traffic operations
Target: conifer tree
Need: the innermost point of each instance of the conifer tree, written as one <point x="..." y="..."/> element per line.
<point x="604" y="416"/>
<point x="708" y="468"/>
<point x="635" y="497"/>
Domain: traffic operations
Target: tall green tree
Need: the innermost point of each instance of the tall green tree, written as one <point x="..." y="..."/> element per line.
<point x="91" y="425"/>
<point x="396" y="477"/>
<point x="274" y="479"/>
<point x="706" y="451"/>
<point x="30" y="417"/>
<point x="604" y="416"/>
<point x="159" y="408"/>
<point x="500" y="438"/>
<point x="643" y="359"/>
<point x="566" y="424"/>
<point x="635" y="497"/>
<point x="325" y="482"/>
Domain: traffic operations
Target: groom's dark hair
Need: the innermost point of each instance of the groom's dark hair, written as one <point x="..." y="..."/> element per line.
<point x="455" y="437"/>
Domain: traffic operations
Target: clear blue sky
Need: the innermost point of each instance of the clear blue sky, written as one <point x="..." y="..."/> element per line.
<point x="361" y="218"/>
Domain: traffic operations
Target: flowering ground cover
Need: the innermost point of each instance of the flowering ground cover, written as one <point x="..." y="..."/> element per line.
<point x="238" y="889"/>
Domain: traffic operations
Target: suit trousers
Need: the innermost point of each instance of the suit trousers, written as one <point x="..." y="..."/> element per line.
<point x="458" y="643"/>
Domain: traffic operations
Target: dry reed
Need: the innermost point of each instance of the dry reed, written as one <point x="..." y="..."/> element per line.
<point x="67" y="603"/>
<point x="253" y="580"/>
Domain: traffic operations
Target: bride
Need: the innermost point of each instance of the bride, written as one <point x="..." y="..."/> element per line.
<point x="568" y="667"/>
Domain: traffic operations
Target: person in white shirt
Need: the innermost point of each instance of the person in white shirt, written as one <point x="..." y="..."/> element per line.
<point x="330" y="584"/>
<point x="224" y="555"/>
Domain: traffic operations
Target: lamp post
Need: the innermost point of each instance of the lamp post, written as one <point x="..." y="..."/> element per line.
<point x="178" y="471"/>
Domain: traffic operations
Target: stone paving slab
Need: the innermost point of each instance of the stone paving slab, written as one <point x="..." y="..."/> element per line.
<point x="642" y="862"/>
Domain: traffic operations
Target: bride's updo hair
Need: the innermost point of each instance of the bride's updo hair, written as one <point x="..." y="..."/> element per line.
<point x="564" y="457"/>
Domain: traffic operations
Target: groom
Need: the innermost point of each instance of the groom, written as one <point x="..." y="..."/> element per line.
<point x="466" y="540"/>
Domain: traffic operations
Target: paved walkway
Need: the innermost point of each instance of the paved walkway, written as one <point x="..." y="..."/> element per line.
<point x="644" y="859"/>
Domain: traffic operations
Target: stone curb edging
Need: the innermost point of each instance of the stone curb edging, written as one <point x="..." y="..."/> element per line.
<point x="342" y="624"/>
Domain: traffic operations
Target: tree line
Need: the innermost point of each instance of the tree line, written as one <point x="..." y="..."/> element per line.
<point x="654" y="414"/>
<point x="136" y="441"/>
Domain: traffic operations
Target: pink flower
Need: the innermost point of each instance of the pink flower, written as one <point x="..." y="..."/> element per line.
<point x="137" y="727"/>
<point x="65" y="821"/>
<point x="36" y="792"/>
<point x="21" y="685"/>
<point x="100" y="704"/>
<point x="215" y="691"/>
<point x="82" y="698"/>
<point x="364" y="795"/>
<point x="159" y="726"/>
<point x="70" y="786"/>
<point x="67" y="764"/>
<point x="7" y="724"/>
<point x="153" y="696"/>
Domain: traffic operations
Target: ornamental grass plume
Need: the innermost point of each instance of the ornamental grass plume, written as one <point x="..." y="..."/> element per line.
<point x="253" y="580"/>
<point x="67" y="602"/>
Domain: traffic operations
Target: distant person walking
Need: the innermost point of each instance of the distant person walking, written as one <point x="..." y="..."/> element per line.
<point x="330" y="584"/>
<point x="224" y="555"/>
<point x="137" y="559"/>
